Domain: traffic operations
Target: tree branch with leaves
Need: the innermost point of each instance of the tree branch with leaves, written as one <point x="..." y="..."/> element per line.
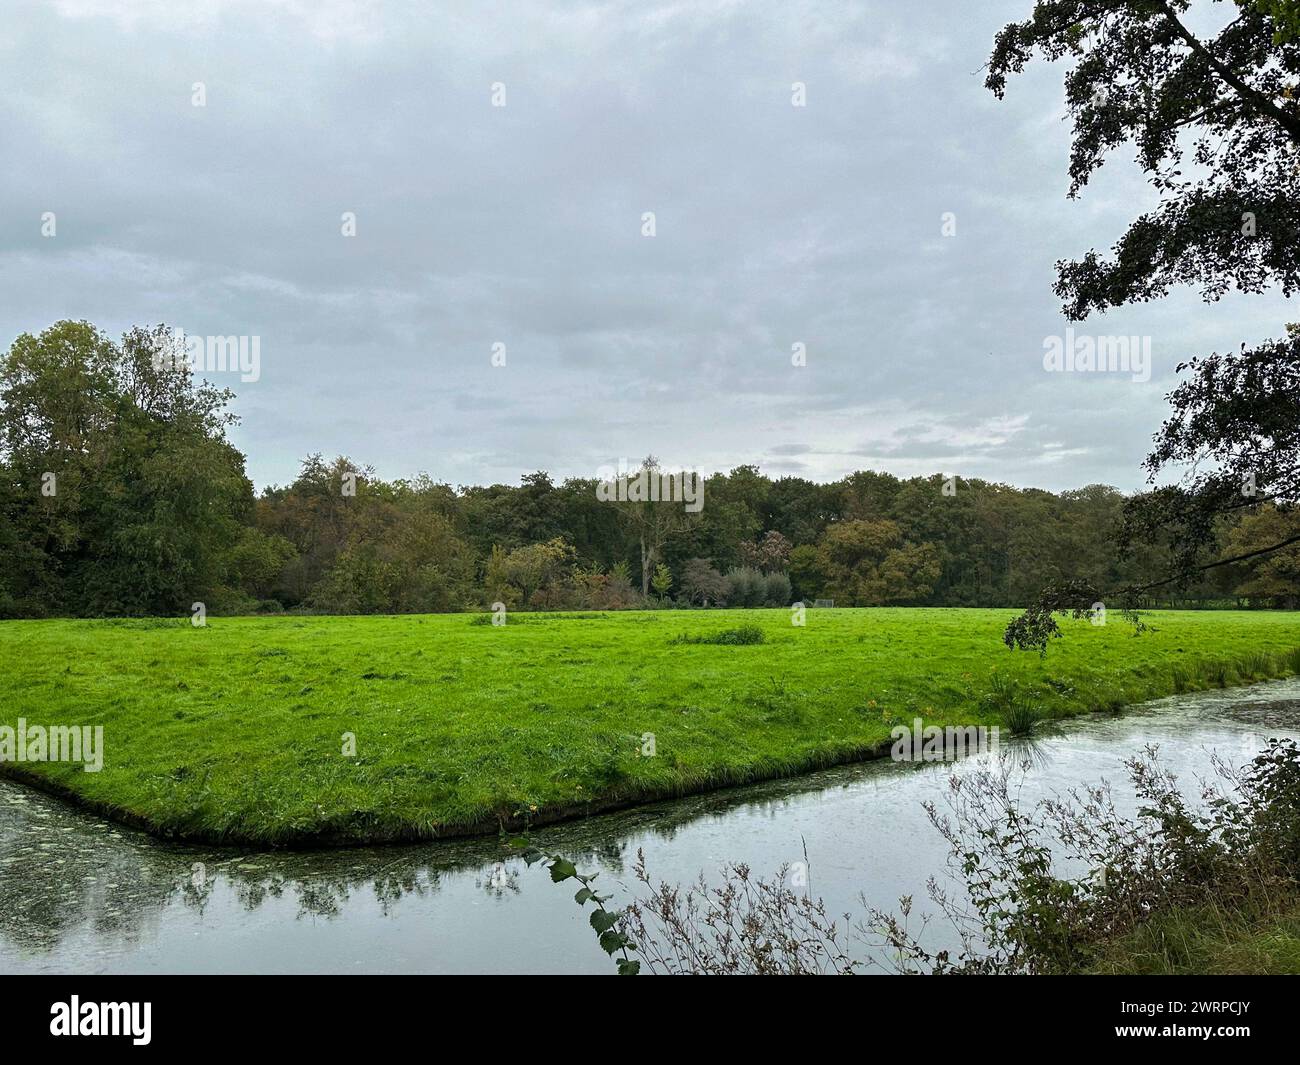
<point x="1230" y="107"/>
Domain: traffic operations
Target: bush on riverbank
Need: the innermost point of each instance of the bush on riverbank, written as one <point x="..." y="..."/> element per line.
<point x="1237" y="851"/>
<point x="1180" y="887"/>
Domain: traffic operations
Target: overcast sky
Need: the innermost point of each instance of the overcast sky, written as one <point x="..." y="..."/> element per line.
<point x="521" y="225"/>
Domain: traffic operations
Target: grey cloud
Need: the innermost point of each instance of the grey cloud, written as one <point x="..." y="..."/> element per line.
<point x="775" y="225"/>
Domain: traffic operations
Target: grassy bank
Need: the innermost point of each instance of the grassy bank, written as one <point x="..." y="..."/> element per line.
<point x="238" y="731"/>
<point x="1212" y="940"/>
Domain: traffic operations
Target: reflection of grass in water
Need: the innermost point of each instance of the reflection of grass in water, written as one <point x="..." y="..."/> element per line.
<point x="1030" y="750"/>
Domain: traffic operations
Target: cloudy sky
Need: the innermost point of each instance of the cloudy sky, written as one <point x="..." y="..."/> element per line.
<point x="480" y="225"/>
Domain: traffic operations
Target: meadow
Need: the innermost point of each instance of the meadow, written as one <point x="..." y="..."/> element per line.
<point x="328" y="730"/>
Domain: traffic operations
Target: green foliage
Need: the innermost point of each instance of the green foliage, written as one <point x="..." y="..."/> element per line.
<point x="1012" y="709"/>
<point x="967" y="533"/>
<point x="532" y="571"/>
<point x="806" y="577"/>
<point x="1070" y="884"/>
<point x="868" y="563"/>
<point x="662" y="580"/>
<point x="257" y="559"/>
<point x="1141" y="78"/>
<point x="1020" y="717"/>
<point x="145" y="496"/>
<point x="1215" y="126"/>
<point x="153" y="512"/>
<point x="776" y="590"/>
<point x="652" y="524"/>
<point x="604" y="922"/>
<point x="1252" y="937"/>
<point x="746" y="587"/>
<point x="1272" y="578"/>
<point x="1286" y="18"/>
<point x="1235" y="853"/>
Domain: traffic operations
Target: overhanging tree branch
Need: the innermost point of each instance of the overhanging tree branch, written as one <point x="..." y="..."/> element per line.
<point x="1215" y="565"/>
<point x="1262" y="104"/>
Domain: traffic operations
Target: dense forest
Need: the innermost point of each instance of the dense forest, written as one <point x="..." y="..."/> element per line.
<point x="120" y="494"/>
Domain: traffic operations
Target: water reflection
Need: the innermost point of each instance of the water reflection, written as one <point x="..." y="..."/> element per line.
<point x="79" y="894"/>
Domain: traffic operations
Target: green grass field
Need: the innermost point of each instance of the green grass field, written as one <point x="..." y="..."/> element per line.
<point x="235" y="732"/>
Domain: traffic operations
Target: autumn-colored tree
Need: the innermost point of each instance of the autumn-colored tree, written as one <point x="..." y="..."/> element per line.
<point x="531" y="568"/>
<point x="703" y="584"/>
<point x="868" y="563"/>
<point x="771" y="554"/>
<point x="1273" y="577"/>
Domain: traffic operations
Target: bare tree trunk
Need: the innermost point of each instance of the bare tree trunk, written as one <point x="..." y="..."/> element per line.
<point x="646" y="558"/>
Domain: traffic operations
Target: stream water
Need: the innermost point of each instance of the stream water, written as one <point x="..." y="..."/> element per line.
<point x="78" y="894"/>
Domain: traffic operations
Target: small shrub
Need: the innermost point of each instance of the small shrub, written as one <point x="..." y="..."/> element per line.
<point x="745" y="634"/>
<point x="776" y="589"/>
<point x="746" y="587"/>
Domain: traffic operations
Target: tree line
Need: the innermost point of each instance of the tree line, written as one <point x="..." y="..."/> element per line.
<point x="121" y="494"/>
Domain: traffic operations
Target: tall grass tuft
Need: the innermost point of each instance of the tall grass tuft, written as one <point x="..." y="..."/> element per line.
<point x="1217" y="673"/>
<point x="1257" y="665"/>
<point x="1180" y="678"/>
<point x="743" y="635"/>
<point x="1019" y="716"/>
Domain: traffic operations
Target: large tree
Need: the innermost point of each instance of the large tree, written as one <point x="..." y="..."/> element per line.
<point x="652" y="522"/>
<point x="1215" y="123"/>
<point x="119" y="486"/>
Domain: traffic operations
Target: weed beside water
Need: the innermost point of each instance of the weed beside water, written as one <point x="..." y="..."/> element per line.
<point x="1019" y="715"/>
